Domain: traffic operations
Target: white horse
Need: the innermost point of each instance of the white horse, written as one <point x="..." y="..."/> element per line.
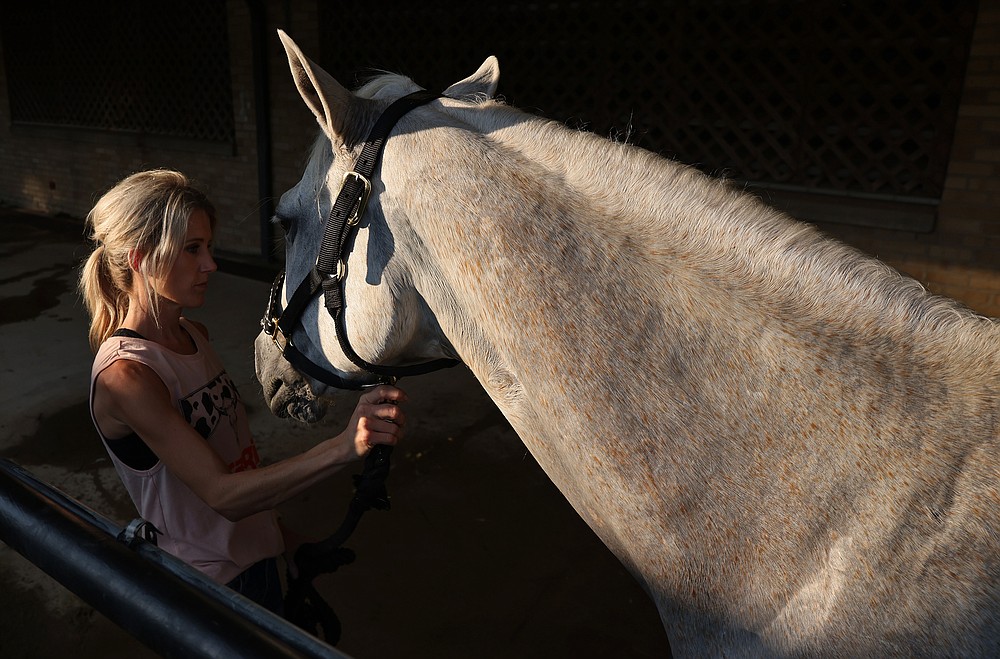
<point x="791" y="446"/>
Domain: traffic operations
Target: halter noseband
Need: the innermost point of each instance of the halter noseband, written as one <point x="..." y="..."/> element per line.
<point x="331" y="266"/>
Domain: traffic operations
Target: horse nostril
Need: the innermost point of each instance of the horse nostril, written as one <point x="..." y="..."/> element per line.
<point x="270" y="387"/>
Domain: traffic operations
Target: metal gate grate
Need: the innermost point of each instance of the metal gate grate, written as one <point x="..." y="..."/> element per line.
<point x="120" y="65"/>
<point x="847" y="97"/>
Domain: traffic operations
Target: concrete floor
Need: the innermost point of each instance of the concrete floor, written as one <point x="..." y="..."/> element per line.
<point x="480" y="554"/>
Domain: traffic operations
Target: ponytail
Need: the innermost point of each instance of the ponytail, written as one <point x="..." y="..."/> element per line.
<point x="105" y="298"/>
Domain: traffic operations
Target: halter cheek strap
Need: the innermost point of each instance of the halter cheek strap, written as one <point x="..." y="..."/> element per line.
<point x="281" y="325"/>
<point x="331" y="265"/>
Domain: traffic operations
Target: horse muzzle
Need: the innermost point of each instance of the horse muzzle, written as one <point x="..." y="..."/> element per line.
<point x="286" y="392"/>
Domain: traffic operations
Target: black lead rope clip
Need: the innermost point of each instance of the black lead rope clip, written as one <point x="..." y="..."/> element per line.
<point x="138" y="529"/>
<point x="304" y="606"/>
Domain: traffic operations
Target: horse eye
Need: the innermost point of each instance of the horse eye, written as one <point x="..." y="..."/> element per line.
<point x="286" y="224"/>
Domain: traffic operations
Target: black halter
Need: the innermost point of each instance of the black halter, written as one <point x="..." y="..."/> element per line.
<point x="331" y="266"/>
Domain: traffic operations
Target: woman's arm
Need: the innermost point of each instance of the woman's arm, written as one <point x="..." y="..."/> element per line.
<point x="130" y="395"/>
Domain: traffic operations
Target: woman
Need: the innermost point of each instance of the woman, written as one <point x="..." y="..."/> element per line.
<point x="164" y="406"/>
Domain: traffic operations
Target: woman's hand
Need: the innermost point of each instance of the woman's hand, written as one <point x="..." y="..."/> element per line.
<point x="377" y="419"/>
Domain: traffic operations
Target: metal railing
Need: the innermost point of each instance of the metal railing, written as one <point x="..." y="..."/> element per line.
<point x="164" y="603"/>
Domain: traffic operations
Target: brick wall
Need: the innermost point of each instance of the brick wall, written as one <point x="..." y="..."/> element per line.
<point x="961" y="257"/>
<point x="64" y="170"/>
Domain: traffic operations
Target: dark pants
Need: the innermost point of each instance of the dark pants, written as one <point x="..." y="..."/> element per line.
<point x="261" y="583"/>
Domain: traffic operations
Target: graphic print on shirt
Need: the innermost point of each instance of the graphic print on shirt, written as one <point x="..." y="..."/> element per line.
<point x="205" y="408"/>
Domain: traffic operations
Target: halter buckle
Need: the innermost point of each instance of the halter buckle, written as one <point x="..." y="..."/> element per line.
<point x="362" y="202"/>
<point x="335" y="276"/>
<point x="273" y="330"/>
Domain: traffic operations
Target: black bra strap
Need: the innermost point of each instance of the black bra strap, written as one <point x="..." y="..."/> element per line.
<point x="127" y="333"/>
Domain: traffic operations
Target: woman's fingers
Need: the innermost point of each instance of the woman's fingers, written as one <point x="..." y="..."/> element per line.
<point x="380" y="420"/>
<point x="390" y="430"/>
<point x="384" y="393"/>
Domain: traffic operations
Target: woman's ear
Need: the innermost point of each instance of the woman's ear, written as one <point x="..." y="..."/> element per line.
<point x="135" y="259"/>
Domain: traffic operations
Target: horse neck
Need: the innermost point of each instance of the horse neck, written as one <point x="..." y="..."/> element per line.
<point x="633" y="273"/>
<point x="717" y="232"/>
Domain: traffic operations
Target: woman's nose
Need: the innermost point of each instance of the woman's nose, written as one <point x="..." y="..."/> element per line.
<point x="208" y="264"/>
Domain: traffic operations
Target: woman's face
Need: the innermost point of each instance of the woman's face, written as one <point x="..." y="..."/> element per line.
<point x="186" y="283"/>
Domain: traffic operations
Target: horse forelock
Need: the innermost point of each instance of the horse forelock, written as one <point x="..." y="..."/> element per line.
<point x="385" y="84"/>
<point x="318" y="173"/>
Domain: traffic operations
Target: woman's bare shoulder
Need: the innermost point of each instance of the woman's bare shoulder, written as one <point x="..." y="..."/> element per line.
<point x="125" y="394"/>
<point x="129" y="378"/>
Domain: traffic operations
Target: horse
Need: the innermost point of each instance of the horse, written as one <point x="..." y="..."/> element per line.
<point x="794" y="448"/>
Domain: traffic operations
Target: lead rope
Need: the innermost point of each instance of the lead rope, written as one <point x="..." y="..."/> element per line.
<point x="304" y="606"/>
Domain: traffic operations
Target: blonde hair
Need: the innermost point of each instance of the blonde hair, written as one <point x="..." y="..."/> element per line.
<point x="143" y="218"/>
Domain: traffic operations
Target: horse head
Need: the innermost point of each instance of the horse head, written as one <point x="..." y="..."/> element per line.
<point x="386" y="321"/>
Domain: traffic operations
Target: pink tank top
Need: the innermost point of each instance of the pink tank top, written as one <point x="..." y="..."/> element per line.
<point x="206" y="396"/>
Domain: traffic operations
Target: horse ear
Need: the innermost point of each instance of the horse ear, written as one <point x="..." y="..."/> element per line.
<point x="482" y="82"/>
<point x="326" y="97"/>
